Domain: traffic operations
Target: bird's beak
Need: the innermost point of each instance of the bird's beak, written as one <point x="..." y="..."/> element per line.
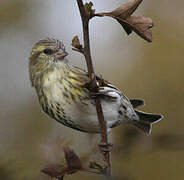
<point x="61" y="54"/>
<point x="64" y="54"/>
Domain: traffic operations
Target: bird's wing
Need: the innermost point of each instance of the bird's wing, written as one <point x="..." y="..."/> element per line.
<point x="79" y="75"/>
<point x="83" y="80"/>
<point x="106" y="90"/>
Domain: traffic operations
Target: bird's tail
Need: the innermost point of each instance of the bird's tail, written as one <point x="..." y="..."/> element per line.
<point x="146" y="121"/>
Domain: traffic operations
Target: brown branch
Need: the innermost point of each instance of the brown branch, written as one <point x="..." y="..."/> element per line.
<point x="87" y="53"/>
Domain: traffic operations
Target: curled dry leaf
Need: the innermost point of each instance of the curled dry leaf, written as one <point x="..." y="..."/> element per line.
<point x="73" y="165"/>
<point x="139" y="24"/>
<point x="58" y="171"/>
<point x="127" y="9"/>
<point x="73" y="161"/>
<point x="55" y="170"/>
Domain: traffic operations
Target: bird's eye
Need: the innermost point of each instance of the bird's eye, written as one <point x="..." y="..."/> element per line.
<point x="48" y="51"/>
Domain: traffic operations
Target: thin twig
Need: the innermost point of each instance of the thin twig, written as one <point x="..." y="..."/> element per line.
<point x="87" y="53"/>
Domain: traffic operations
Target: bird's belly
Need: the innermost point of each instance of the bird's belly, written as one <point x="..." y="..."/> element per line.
<point x="85" y="115"/>
<point x="80" y="115"/>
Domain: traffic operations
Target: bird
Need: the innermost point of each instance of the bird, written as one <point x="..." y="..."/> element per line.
<point x="64" y="94"/>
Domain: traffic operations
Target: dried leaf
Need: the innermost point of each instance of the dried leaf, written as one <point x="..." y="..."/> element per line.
<point x="73" y="161"/>
<point x="89" y="8"/>
<point x="55" y="170"/>
<point x="125" y="25"/>
<point x="76" y="43"/>
<point x="142" y="26"/>
<point x="139" y="24"/>
<point x="126" y="10"/>
<point x="58" y="171"/>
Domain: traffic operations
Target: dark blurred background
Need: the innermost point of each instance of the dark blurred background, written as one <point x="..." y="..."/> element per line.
<point x="153" y="71"/>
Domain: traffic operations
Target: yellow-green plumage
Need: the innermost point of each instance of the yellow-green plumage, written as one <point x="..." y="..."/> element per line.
<point x="64" y="96"/>
<point x="58" y="83"/>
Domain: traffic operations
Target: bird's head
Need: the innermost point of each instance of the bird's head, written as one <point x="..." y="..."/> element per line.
<point x="47" y="50"/>
<point x="46" y="54"/>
